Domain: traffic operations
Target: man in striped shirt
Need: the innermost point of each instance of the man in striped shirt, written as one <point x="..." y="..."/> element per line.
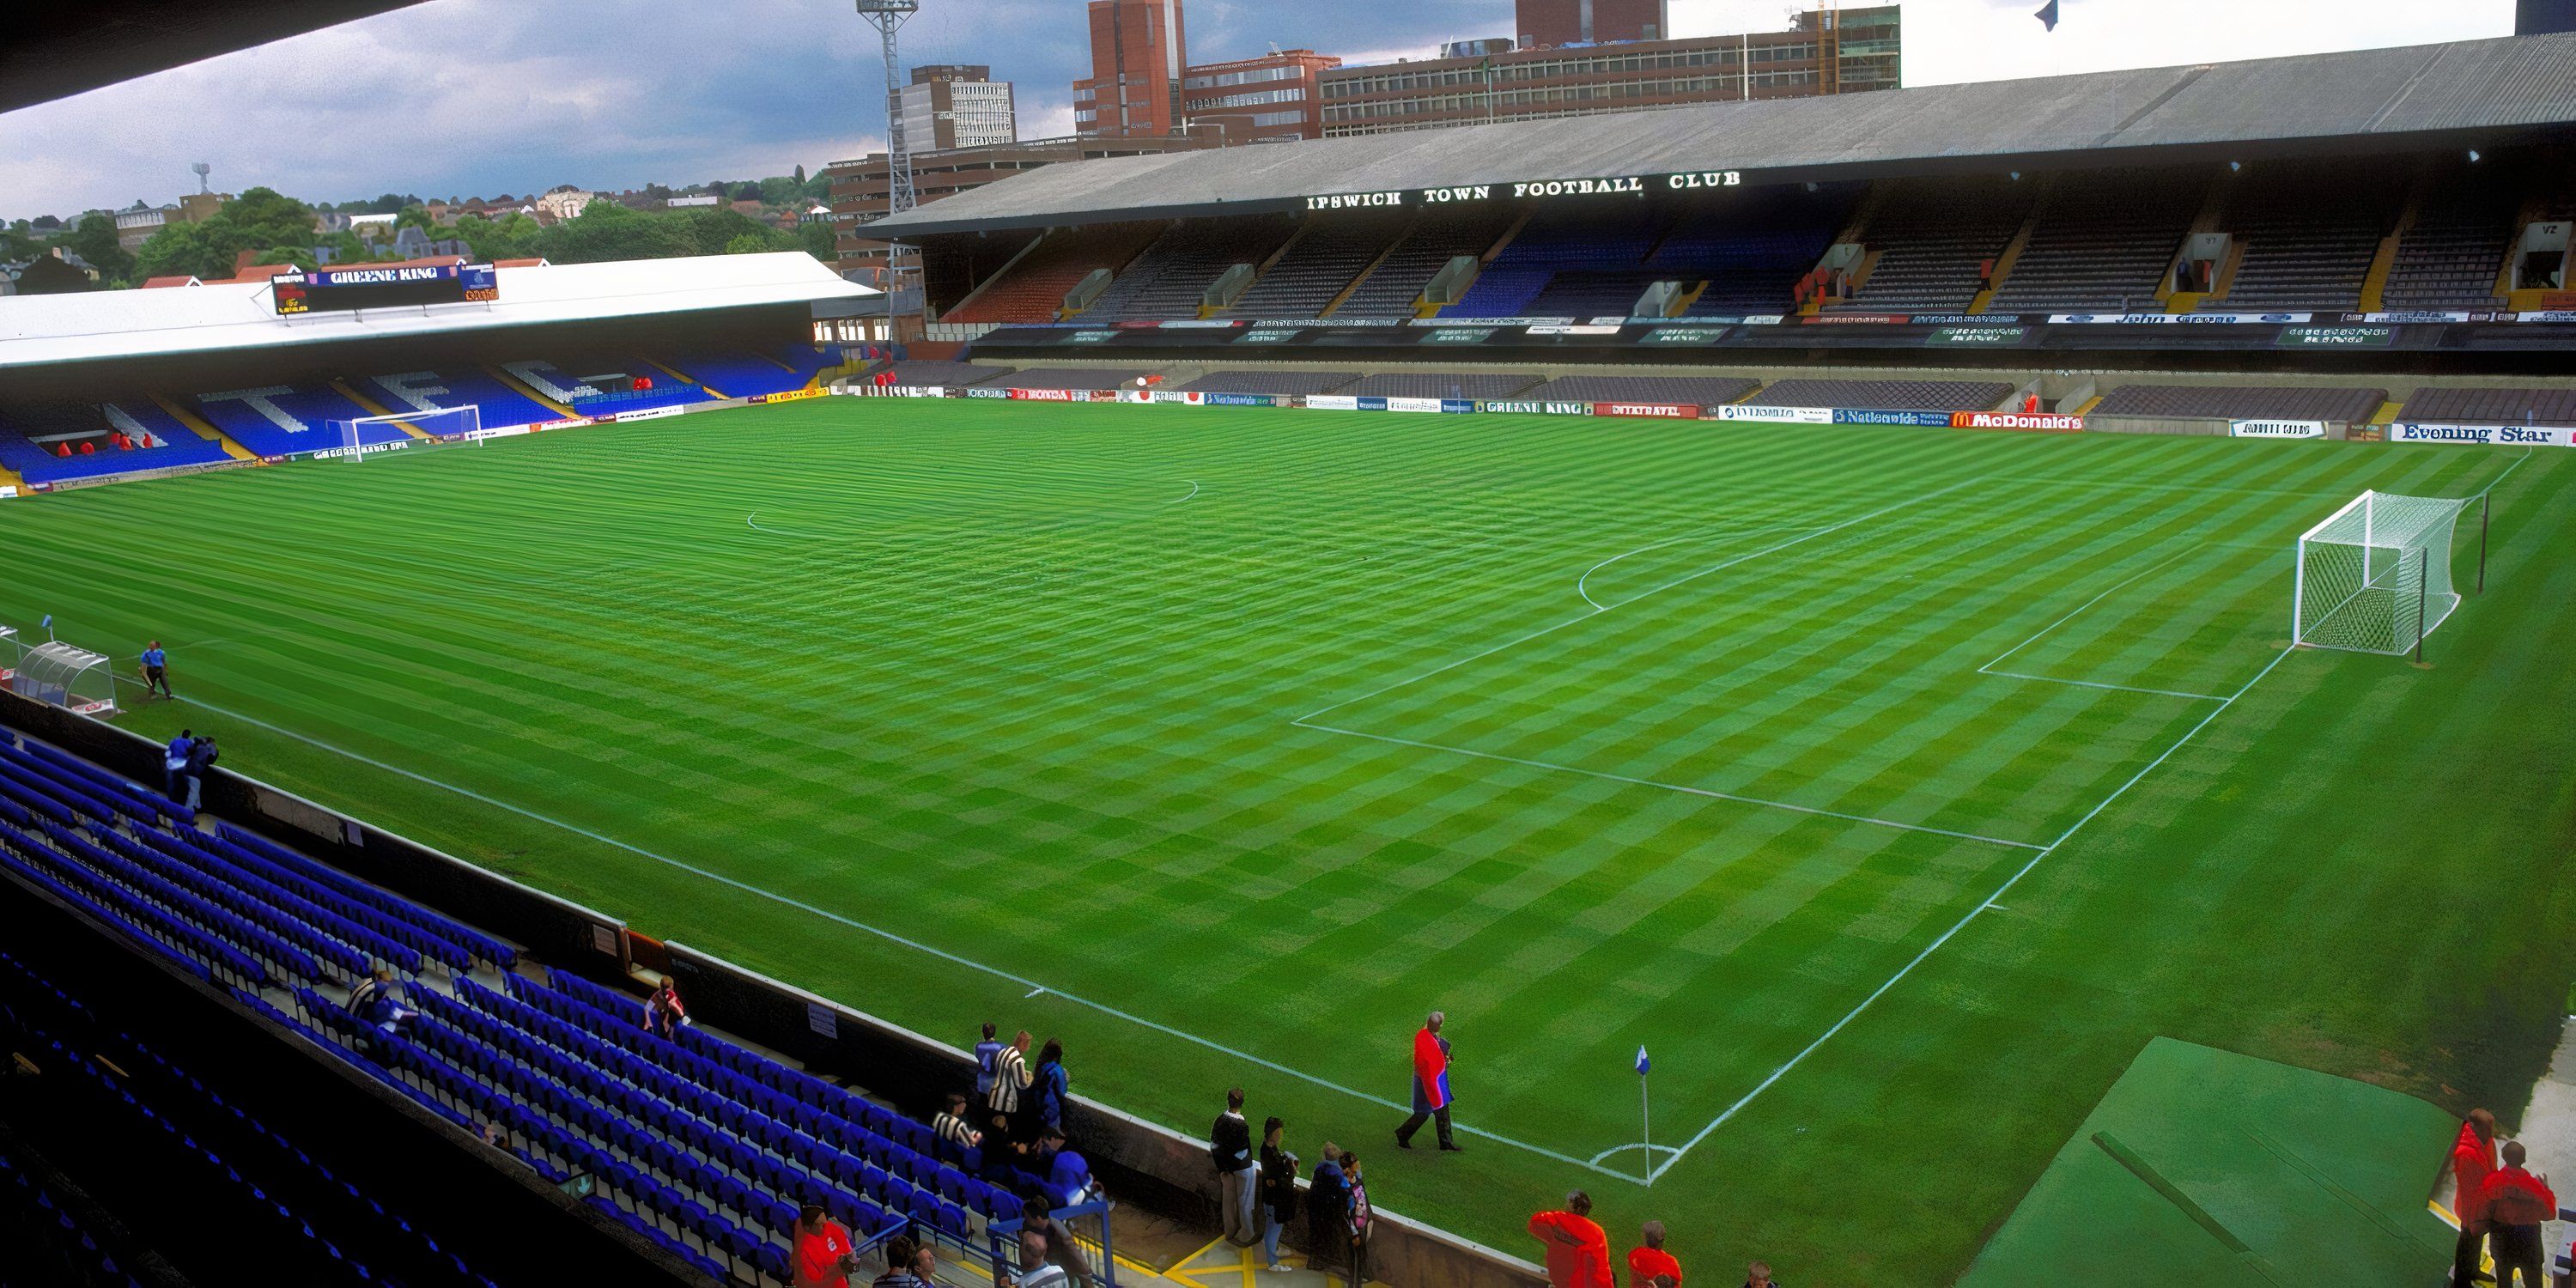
<point x="1010" y="1077"/>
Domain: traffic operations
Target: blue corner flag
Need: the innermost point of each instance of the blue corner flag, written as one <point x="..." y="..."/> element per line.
<point x="1641" y="1062"/>
<point x="49" y="620"/>
<point x="2047" y="15"/>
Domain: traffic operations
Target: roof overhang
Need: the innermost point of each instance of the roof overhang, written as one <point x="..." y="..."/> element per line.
<point x="37" y="330"/>
<point x="56" y="50"/>
<point x="2471" y="93"/>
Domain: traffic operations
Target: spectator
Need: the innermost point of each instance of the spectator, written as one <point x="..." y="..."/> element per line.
<point x="1037" y="1267"/>
<point x="201" y="757"/>
<point x="2516" y="1203"/>
<point x="1010" y="1078"/>
<point x="1230" y="1147"/>
<point x="1278" y="1184"/>
<point x="955" y="1135"/>
<point x="1061" y="1247"/>
<point x="1359" y="1221"/>
<point x="1052" y="1085"/>
<point x="985" y="1052"/>
<point x="1069" y="1176"/>
<point x="663" y="1013"/>
<point x="902" y="1265"/>
<point x="174" y="764"/>
<point x="1578" y="1250"/>
<point x="1328" y="1205"/>
<point x="2473" y="1157"/>
<point x="1430" y="1084"/>
<point x="1758" y="1275"/>
<point x="377" y="1003"/>
<point x="824" y="1257"/>
<point x="1651" y="1266"/>
<point x="156" y="671"/>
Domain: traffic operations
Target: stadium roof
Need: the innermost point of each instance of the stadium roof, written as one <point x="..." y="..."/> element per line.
<point x="2473" y="91"/>
<point x="59" y="49"/>
<point x="94" y="325"/>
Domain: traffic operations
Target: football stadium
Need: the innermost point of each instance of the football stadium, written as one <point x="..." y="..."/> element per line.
<point x="1964" y="684"/>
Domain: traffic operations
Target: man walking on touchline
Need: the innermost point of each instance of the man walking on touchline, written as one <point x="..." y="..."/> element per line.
<point x="1430" y="1084"/>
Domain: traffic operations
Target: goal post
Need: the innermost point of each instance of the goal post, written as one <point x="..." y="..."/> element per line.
<point x="2375" y="576"/>
<point x="459" y="424"/>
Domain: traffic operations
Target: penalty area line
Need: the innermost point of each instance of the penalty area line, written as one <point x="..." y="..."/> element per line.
<point x="1035" y="988"/>
<point x="1987" y="904"/>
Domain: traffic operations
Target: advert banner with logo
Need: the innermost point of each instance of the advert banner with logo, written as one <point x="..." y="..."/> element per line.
<point x="1778" y="415"/>
<point x="2498" y="435"/>
<point x="2276" y="429"/>
<point x="2046" y="424"/>
<point x="1665" y="411"/>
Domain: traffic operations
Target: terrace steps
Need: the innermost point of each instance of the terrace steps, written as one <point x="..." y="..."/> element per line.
<point x="528" y="391"/>
<point x="197" y="425"/>
<point x="374" y="408"/>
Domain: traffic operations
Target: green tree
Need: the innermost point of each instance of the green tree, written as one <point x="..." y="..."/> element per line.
<point x="95" y="240"/>
<point x="263" y="219"/>
<point x="748" y="244"/>
<point x="799" y="176"/>
<point x="816" y="239"/>
<point x="607" y="231"/>
<point x="415" y="217"/>
<point x="299" y="256"/>
<point x="185" y="250"/>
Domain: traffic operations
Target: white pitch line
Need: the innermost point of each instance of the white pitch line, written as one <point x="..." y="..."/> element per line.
<point x="1670" y="787"/>
<point x="1599" y="607"/>
<point x="889" y="936"/>
<point x="1962" y="924"/>
<point x="752" y="520"/>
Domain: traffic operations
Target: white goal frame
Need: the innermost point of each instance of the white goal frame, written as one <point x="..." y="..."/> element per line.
<point x="462" y="423"/>
<point x="2375" y="576"/>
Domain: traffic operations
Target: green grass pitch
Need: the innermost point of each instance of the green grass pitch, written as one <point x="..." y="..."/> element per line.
<point x="1893" y="786"/>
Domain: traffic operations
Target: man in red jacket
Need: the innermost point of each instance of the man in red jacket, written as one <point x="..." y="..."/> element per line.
<point x="1578" y="1250"/>
<point x="2472" y="1158"/>
<point x="1430" y="1084"/>
<point x="2516" y="1204"/>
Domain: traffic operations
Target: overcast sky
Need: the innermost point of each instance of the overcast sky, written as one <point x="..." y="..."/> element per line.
<point x="481" y="97"/>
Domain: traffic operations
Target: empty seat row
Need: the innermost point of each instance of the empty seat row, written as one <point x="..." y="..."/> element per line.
<point x="1885" y="395"/>
<point x="2242" y="402"/>
<point x="1687" y="391"/>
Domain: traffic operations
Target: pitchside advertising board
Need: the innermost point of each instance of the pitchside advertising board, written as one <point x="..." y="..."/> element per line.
<point x="2276" y="429"/>
<point x="2493" y="435"/>
<point x="342" y="290"/>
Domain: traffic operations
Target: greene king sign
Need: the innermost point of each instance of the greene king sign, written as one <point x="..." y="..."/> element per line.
<point x="1595" y="187"/>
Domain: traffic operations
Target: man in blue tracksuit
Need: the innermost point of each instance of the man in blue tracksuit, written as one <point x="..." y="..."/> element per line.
<point x="201" y="757"/>
<point x="156" y="671"/>
<point x="174" y="764"/>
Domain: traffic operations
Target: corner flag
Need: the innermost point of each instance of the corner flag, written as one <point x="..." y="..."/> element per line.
<point x="2047" y="15"/>
<point x="1642" y="1063"/>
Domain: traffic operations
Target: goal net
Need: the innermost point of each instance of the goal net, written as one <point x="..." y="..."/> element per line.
<point x="440" y="424"/>
<point x="2375" y="576"/>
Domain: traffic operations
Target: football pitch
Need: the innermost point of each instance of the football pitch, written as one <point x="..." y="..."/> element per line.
<point x="1892" y="786"/>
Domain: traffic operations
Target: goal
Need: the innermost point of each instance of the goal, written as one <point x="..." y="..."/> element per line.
<point x="352" y="437"/>
<point x="2375" y="576"/>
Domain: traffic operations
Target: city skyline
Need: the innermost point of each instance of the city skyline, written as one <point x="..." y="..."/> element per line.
<point x="474" y="96"/>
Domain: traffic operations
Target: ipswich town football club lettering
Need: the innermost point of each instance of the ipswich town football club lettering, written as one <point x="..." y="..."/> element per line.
<point x="1595" y="187"/>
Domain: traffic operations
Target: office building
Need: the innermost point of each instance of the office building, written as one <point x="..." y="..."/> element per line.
<point x="1138" y="51"/>
<point x="952" y="105"/>
<point x="1259" y="100"/>
<point x="1585" y="22"/>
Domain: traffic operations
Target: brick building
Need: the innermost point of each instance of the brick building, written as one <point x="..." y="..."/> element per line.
<point x="1138" y="51"/>
<point x="1257" y="100"/>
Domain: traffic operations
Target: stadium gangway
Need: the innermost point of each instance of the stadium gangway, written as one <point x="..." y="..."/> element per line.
<point x="1003" y="1236"/>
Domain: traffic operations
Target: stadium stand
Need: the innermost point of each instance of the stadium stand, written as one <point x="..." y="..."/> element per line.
<point x="233" y="1169"/>
<point x="283" y="420"/>
<point x="1688" y="391"/>
<point x="2301" y="252"/>
<point x="1032" y="288"/>
<point x="1079" y="377"/>
<point x="1394" y="286"/>
<point x="1442" y="384"/>
<point x="924" y="371"/>
<point x="1168" y="280"/>
<point x="33" y="436"/>
<point x="2102" y="242"/>
<point x="2494" y="405"/>
<point x="740" y="374"/>
<point x="694" y="1141"/>
<point x="2452" y="254"/>
<point x="1317" y="265"/>
<point x="1885" y="395"/>
<point x="496" y="403"/>
<point x="1931" y="236"/>
<point x="1747" y="256"/>
<point x="806" y="360"/>
<point x="53" y="1232"/>
<point x="1268" y="382"/>
<point x="2242" y="402"/>
<point x="1588" y="262"/>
